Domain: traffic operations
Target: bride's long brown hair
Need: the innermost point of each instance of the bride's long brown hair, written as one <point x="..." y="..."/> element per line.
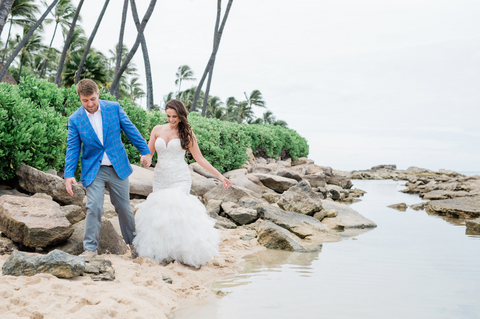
<point x="184" y="130"/>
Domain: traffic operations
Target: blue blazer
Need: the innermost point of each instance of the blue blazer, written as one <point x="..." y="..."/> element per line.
<point x="81" y="136"/>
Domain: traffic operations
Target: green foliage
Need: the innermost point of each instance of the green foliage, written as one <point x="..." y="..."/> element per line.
<point x="29" y="134"/>
<point x="33" y="130"/>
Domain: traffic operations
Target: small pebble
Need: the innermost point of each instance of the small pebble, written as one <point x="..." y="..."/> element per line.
<point x="167" y="279"/>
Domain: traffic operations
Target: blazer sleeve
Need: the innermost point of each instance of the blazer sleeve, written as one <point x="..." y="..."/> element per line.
<point x="73" y="150"/>
<point x="132" y="132"/>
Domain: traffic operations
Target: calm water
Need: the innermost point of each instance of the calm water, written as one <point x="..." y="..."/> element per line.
<point x="413" y="265"/>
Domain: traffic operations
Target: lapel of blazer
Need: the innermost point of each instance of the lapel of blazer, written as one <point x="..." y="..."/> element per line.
<point x="105" y="117"/>
<point x="87" y="125"/>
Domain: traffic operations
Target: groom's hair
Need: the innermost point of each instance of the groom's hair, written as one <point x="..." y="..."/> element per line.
<point x="86" y="87"/>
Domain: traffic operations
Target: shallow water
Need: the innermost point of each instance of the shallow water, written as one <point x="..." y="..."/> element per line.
<point x="413" y="265"/>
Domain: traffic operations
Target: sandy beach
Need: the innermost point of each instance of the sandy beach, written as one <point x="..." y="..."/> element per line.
<point x="137" y="292"/>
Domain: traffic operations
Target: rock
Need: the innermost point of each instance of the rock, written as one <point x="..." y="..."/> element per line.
<point x="243" y="215"/>
<point x="33" y="222"/>
<point x="473" y="225"/>
<point x="316" y="180"/>
<point x="108" y="208"/>
<point x="300" y="169"/>
<point x="289" y="174"/>
<point x="332" y="213"/>
<point x="301" y="225"/>
<point x="249" y="152"/>
<point x="73" y="213"/>
<point x="229" y="206"/>
<point x="341" y="181"/>
<point x="401" y="206"/>
<point x="42" y="195"/>
<point x="56" y="263"/>
<point x="7" y="246"/>
<point x="271" y="197"/>
<point x="334" y="191"/>
<point x="109" y="240"/>
<point x="167" y="279"/>
<point x="222" y="222"/>
<point x="202" y="171"/>
<point x="277" y="183"/>
<point x="201" y="184"/>
<point x="286" y="163"/>
<point x="256" y="181"/>
<point x="440" y="194"/>
<point x="213" y="206"/>
<point x="133" y="204"/>
<point x="419" y="206"/>
<point x="36" y="181"/>
<point x="275" y="237"/>
<point x="463" y="207"/>
<point x="238" y="178"/>
<point x="320" y="215"/>
<point x="251" y="202"/>
<point x="99" y="269"/>
<point x="260" y="160"/>
<point x="141" y="181"/>
<point x="388" y="167"/>
<point x="232" y="194"/>
<point x="347" y="217"/>
<point x="300" y="161"/>
<point x="301" y="199"/>
<point x="12" y="192"/>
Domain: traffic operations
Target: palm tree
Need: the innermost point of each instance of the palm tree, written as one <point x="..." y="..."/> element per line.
<point x="94" y="68"/>
<point x="66" y="46"/>
<point x="22" y="13"/>
<point x="281" y="123"/>
<point x="33" y="45"/>
<point x="244" y="112"/>
<point x="214" y="108"/>
<point x="213" y="55"/>
<point x="132" y="52"/>
<point x="119" y="56"/>
<point x="64" y="12"/>
<point x="90" y="40"/>
<point x="5" y="7"/>
<point x="78" y="41"/>
<point x="255" y="98"/>
<point x="184" y="73"/>
<point x="268" y="118"/>
<point x="210" y="71"/>
<point x="146" y="59"/>
<point x="26" y="38"/>
<point x="135" y="89"/>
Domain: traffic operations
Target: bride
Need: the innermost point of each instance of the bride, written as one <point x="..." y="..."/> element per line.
<point x="172" y="224"/>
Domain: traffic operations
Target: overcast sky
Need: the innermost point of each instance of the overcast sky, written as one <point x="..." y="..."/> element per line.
<point x="365" y="82"/>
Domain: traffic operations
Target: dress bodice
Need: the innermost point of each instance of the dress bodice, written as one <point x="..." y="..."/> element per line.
<point x="171" y="169"/>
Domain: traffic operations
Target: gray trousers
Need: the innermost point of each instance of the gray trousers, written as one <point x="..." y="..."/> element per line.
<point x="120" y="198"/>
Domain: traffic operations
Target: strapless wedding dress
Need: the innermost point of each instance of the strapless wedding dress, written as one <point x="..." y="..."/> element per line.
<point x="172" y="224"/>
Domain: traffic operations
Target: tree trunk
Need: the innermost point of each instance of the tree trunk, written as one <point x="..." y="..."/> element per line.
<point x="58" y="78"/>
<point x="48" y="53"/>
<point x="5" y="6"/>
<point x="6" y="42"/>
<point x="212" y="56"/>
<point x="25" y="39"/>
<point x="132" y="52"/>
<point x="20" y="69"/>
<point x="120" y="45"/>
<point x="146" y="59"/>
<point x="89" y="42"/>
<point x="210" y="72"/>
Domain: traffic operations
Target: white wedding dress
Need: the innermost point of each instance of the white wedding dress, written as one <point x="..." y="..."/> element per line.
<point x="172" y="224"/>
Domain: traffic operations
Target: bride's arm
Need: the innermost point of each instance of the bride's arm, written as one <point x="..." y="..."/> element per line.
<point x="197" y="155"/>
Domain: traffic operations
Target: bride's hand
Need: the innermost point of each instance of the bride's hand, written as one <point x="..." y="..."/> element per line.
<point x="226" y="183"/>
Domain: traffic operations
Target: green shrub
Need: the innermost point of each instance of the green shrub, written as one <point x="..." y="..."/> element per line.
<point x="29" y="134"/>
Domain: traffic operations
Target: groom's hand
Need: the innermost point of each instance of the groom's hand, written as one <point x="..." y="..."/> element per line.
<point x="68" y="184"/>
<point x="146" y="160"/>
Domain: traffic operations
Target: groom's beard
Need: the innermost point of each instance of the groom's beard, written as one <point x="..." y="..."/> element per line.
<point x="91" y="109"/>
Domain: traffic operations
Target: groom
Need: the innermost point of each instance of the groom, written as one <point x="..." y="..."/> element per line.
<point x="94" y="130"/>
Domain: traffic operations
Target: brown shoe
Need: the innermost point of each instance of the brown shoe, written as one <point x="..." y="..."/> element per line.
<point x="89" y="253"/>
<point x="133" y="250"/>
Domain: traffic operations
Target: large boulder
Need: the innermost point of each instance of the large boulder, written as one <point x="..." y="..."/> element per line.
<point x="238" y="178"/>
<point x="473" y="225"/>
<point x="341" y="181"/>
<point x="463" y="207"/>
<point x="251" y="202"/>
<point x="242" y="215"/>
<point x="232" y="194"/>
<point x="300" y="161"/>
<point x="301" y="225"/>
<point x="201" y="184"/>
<point x="34" y="222"/>
<point x="288" y="173"/>
<point x="6" y="245"/>
<point x="56" y="263"/>
<point x="36" y="181"/>
<point x="273" y="236"/>
<point x="347" y="217"/>
<point x="73" y="213"/>
<point x="277" y="183"/>
<point x="316" y="180"/>
<point x="441" y="194"/>
<point x="202" y="171"/>
<point x="109" y="240"/>
<point x="141" y="181"/>
<point x="301" y="199"/>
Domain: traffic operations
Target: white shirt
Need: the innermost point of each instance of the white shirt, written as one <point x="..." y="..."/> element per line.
<point x="96" y="121"/>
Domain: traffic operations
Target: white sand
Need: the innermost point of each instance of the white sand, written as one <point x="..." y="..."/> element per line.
<point x="137" y="292"/>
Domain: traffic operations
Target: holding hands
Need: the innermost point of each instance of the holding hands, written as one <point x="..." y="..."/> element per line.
<point x="146" y="160"/>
